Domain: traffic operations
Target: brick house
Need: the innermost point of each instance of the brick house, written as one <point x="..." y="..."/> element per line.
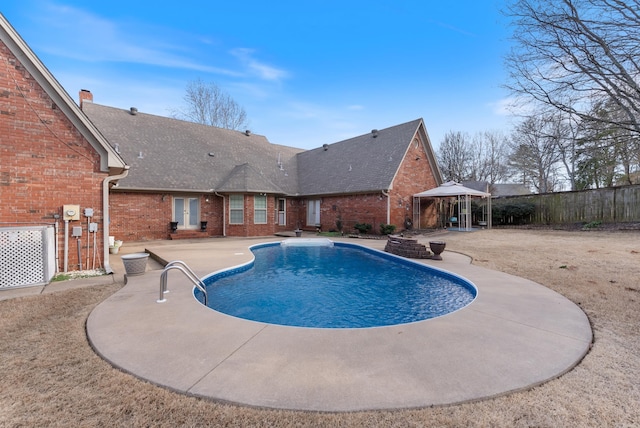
<point x="51" y="155"/>
<point x="139" y="175"/>
<point x="242" y="185"/>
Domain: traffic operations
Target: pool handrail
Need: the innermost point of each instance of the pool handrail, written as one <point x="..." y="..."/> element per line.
<point x="182" y="266"/>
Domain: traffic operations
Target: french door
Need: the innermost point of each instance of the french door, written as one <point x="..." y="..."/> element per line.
<point x="313" y="212"/>
<point x="186" y="212"/>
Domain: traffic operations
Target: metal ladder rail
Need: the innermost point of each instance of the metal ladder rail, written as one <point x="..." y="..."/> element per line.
<point x="182" y="266"/>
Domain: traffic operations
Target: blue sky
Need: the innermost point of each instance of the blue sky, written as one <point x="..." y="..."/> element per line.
<point x="306" y="72"/>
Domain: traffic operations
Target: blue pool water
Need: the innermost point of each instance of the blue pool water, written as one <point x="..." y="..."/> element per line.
<point x="339" y="286"/>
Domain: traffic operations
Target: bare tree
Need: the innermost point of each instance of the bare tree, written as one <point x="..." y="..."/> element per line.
<point x="578" y="50"/>
<point x="482" y="157"/>
<point x="455" y="156"/>
<point x="535" y="155"/>
<point x="568" y="131"/>
<point x="490" y="157"/>
<point x="207" y="104"/>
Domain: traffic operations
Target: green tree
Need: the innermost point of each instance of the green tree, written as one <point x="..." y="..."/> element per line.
<point x="606" y="152"/>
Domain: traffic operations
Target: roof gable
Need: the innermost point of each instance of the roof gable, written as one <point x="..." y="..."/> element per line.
<point x="365" y="163"/>
<point x="108" y="157"/>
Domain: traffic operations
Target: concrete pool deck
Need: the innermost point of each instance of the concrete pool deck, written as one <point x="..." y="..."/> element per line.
<point x="515" y="335"/>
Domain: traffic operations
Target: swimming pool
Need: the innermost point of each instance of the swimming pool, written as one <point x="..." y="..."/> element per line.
<point x="336" y="285"/>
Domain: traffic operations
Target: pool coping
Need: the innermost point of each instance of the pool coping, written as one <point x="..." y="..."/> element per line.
<point x="515" y="335"/>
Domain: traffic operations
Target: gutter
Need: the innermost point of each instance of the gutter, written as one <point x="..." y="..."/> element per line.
<point x="106" y="217"/>
<point x="162" y="190"/>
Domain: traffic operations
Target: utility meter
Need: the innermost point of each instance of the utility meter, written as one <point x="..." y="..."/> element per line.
<point x="71" y="212"/>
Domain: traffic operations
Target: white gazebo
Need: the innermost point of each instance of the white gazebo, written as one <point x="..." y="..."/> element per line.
<point x="462" y="196"/>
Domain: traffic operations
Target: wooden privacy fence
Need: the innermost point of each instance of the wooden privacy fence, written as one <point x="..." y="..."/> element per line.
<point x="609" y="205"/>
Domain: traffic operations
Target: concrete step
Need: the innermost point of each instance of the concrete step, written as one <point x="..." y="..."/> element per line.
<point x="188" y="234"/>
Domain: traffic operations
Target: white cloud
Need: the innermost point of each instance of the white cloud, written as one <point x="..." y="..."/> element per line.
<point x="263" y="71"/>
<point x="509" y="106"/>
<point x="452" y="28"/>
<point x="148" y="95"/>
<point x="92" y="38"/>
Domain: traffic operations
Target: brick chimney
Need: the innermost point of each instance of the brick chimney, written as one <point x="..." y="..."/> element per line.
<point x="85" y="95"/>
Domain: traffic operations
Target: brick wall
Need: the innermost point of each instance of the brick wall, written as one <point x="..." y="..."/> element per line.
<point x="249" y="228"/>
<point x="147" y="216"/>
<point x="414" y="176"/>
<point x="44" y="161"/>
<point x="351" y="209"/>
<point x="292" y="211"/>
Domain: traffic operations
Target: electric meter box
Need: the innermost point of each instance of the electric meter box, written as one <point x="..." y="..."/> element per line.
<point x="76" y="231"/>
<point x="71" y="212"/>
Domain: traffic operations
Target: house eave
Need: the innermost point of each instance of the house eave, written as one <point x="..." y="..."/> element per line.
<point x="118" y="188"/>
<point x="350" y="193"/>
<point x="122" y="189"/>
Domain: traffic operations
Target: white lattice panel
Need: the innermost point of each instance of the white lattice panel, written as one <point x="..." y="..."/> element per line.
<point x="23" y="256"/>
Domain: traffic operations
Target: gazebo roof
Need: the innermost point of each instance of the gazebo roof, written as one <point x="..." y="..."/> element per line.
<point x="451" y="188"/>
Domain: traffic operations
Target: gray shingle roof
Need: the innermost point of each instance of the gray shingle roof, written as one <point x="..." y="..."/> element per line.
<point x="499" y="189"/>
<point x="482" y="186"/>
<point x="174" y="155"/>
<point x="509" y="189"/>
<point x="361" y="164"/>
<point x="245" y="178"/>
<point x="170" y="154"/>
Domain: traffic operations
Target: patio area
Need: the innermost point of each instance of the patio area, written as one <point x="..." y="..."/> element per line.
<point x="515" y="335"/>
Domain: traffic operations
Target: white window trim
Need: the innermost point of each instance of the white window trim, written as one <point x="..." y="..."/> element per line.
<point x="231" y="209"/>
<point x="262" y="210"/>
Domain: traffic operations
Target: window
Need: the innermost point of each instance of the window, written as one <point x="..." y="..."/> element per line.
<point x="260" y="209"/>
<point x="236" y="209"/>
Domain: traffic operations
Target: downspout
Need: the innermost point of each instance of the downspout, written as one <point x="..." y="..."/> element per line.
<point x="224" y="214"/>
<point x="105" y="215"/>
<point x="56" y="243"/>
<point x="386" y="193"/>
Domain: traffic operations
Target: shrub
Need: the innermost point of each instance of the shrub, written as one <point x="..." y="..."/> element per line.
<point x="362" y="227"/>
<point x="513" y="213"/>
<point x="387" y="229"/>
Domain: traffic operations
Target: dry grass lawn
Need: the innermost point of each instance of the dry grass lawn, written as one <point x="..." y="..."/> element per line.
<point x="51" y="377"/>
